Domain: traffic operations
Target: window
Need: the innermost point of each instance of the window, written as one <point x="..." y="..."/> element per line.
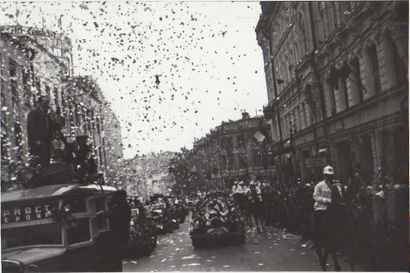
<point x="223" y="162"/>
<point x="322" y="12"/>
<point x="342" y="92"/>
<point x="304" y="116"/>
<point x="301" y="123"/>
<point x="228" y="143"/>
<point x="243" y="161"/>
<point x="257" y="158"/>
<point x="241" y="140"/>
<point x="100" y="221"/>
<point x="396" y="66"/>
<point x="76" y="205"/>
<point x="79" y="232"/>
<point x="230" y="162"/>
<point x="331" y="85"/>
<point x="373" y="69"/>
<point x="356" y="82"/>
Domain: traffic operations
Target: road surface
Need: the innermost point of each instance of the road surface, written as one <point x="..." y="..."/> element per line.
<point x="274" y="250"/>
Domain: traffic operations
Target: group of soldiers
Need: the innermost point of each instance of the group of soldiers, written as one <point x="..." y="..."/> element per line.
<point x="372" y="213"/>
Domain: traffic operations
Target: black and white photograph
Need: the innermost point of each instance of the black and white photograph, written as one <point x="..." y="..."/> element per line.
<point x="204" y="136"/>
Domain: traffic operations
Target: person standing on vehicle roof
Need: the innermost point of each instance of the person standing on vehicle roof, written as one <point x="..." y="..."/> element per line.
<point x="39" y="132"/>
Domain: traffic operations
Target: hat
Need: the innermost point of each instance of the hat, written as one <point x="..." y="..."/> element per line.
<point x="252" y="183"/>
<point x="241" y="183"/>
<point x="328" y="170"/>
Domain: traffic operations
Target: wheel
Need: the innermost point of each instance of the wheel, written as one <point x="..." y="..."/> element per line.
<point x="146" y="251"/>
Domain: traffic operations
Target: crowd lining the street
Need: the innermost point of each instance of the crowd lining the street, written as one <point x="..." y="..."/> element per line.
<point x="367" y="227"/>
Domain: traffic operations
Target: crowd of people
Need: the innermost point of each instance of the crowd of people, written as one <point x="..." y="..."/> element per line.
<point x="47" y="144"/>
<point x="362" y="218"/>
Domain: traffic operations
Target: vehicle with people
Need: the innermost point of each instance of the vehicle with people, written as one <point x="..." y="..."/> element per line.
<point x="181" y="210"/>
<point x="160" y="215"/>
<point x="53" y="223"/>
<point x="216" y="219"/>
<point x="165" y="213"/>
<point x="142" y="237"/>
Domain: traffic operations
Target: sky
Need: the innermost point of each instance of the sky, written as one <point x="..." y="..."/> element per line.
<point x="171" y="70"/>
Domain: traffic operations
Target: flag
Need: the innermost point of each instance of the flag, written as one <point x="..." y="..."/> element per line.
<point x="259" y="136"/>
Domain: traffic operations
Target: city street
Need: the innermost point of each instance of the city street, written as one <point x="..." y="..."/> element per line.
<point x="274" y="250"/>
<point x="122" y="120"/>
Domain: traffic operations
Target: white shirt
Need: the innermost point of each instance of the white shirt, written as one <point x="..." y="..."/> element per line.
<point x="322" y="196"/>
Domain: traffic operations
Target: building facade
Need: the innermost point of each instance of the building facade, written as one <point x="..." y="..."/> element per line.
<point x="32" y="65"/>
<point x="112" y="141"/>
<point x="235" y="150"/>
<point x="15" y="102"/>
<point x="337" y="83"/>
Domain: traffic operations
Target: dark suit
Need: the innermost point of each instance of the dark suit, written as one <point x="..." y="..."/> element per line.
<point x="39" y="135"/>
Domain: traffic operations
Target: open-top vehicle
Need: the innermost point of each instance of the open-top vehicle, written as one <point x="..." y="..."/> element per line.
<point x="142" y="237"/>
<point x="215" y="219"/>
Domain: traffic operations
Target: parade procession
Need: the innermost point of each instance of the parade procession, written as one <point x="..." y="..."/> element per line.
<point x="204" y="136"/>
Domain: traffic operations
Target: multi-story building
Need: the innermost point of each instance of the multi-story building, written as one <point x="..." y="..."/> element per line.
<point x="81" y="102"/>
<point x="57" y="44"/>
<point x="15" y="62"/>
<point x="235" y="150"/>
<point x="145" y="175"/>
<point x="34" y="65"/>
<point x="337" y="85"/>
<point x="112" y="141"/>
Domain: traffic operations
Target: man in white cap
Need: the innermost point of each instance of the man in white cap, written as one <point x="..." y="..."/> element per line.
<point x="322" y="234"/>
<point x="323" y="194"/>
